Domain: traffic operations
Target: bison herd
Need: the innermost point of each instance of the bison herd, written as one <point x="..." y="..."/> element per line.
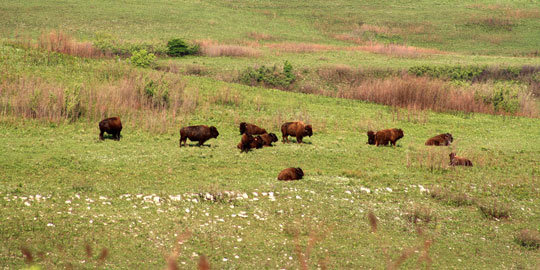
<point x="297" y="129"/>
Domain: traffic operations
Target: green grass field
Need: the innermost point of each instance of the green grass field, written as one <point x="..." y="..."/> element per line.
<point x="63" y="190"/>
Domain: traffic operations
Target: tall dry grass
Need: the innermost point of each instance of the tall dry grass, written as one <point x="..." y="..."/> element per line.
<point x="214" y="49"/>
<point x="301" y="47"/>
<point x="129" y="98"/>
<point x="415" y="92"/>
<point x="397" y="50"/>
<point x="57" y="41"/>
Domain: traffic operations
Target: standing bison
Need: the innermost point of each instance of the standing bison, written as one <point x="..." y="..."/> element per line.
<point x="112" y="126"/>
<point x="383" y="137"/>
<point x="295" y="129"/>
<point x="251" y="129"/>
<point x="459" y="161"/>
<point x="291" y="174"/>
<point x="199" y="133"/>
<point x="269" y="138"/>
<point x="441" y="140"/>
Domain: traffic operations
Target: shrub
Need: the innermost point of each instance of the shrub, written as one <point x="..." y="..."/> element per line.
<point x="177" y="48"/>
<point x="448" y="72"/>
<point x="495" y="210"/>
<point x="269" y="76"/>
<point x="142" y="58"/>
<point x="157" y="92"/>
<point x="528" y="238"/>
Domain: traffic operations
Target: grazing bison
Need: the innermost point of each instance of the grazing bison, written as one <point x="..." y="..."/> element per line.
<point x="251" y="129"/>
<point x="441" y="140"/>
<point x="291" y="174"/>
<point x="112" y="126"/>
<point x="269" y="138"/>
<point x="383" y="137"/>
<point x="198" y="133"/>
<point x="295" y="129"/>
<point x="459" y="161"/>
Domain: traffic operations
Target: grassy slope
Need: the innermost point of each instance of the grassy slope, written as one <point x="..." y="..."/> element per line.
<point x="65" y="161"/>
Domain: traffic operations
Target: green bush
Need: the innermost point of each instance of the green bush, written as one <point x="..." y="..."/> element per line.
<point x="142" y="58"/>
<point x="177" y="48"/>
<point x="269" y="76"/>
<point x="505" y="96"/>
<point x="448" y="72"/>
<point x="157" y="92"/>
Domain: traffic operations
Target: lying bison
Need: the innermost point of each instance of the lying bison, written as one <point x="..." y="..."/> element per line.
<point x="199" y="133"/>
<point x="383" y="137"/>
<point x="441" y="140"/>
<point x="459" y="161"/>
<point x="249" y="142"/>
<point x="291" y="174"/>
<point x="251" y="129"/>
<point x="295" y="129"/>
<point x="112" y="126"/>
<point x="269" y="138"/>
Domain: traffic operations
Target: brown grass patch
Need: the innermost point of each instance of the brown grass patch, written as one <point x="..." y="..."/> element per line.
<point x="397" y="50"/>
<point x="509" y="12"/>
<point x="302" y="47"/>
<point x="57" y="41"/>
<point x="415" y="92"/>
<point x="494" y="210"/>
<point x="528" y="238"/>
<point x="260" y="36"/>
<point x="213" y="49"/>
<point x="492" y="23"/>
<point x="451" y="197"/>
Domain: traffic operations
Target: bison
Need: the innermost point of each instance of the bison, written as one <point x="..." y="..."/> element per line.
<point x="383" y="137"/>
<point x="251" y="129"/>
<point x="291" y="174"/>
<point x="441" y="140"/>
<point x="112" y="126"/>
<point x="249" y="142"/>
<point x="269" y="138"/>
<point x="295" y="129"/>
<point x="199" y="133"/>
<point x="459" y="161"/>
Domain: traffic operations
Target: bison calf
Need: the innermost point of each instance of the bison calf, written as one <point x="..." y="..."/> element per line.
<point x="291" y="174"/>
<point x="459" y="161"/>
<point x="251" y="129"/>
<point x="295" y="129"/>
<point x="383" y="137"/>
<point x="112" y="126"/>
<point x="199" y="134"/>
<point x="269" y="138"/>
<point x="440" y="140"/>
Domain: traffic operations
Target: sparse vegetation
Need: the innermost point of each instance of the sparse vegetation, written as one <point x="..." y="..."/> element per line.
<point x="528" y="238"/>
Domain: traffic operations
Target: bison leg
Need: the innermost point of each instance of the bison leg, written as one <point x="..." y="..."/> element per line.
<point x="101" y="136"/>
<point x="285" y="138"/>
<point x="201" y="142"/>
<point x="183" y="139"/>
<point x="299" y="139"/>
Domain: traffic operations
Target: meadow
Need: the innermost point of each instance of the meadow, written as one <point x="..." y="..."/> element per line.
<point x="71" y="201"/>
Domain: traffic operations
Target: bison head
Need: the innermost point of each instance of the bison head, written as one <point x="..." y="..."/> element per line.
<point x="214" y="132"/>
<point x="452" y="155"/>
<point x="273" y="137"/>
<point x="299" y="172"/>
<point x="371" y="137"/>
<point x="308" y="131"/>
<point x="242" y="128"/>
<point x="449" y="138"/>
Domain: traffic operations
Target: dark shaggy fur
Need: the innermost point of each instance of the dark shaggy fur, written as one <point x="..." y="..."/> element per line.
<point x="441" y="140"/>
<point x="295" y="129"/>
<point x="383" y="137"/>
<point x="112" y="126"/>
<point x="269" y="138"/>
<point x="257" y="143"/>
<point x="199" y="134"/>
<point x="251" y="129"/>
<point x="249" y="142"/>
<point x="459" y="161"/>
<point x="291" y="174"/>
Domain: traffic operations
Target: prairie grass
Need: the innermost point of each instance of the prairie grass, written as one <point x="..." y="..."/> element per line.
<point x="397" y="50"/>
<point x="213" y="49"/>
<point x="57" y="41"/>
<point x="528" y="238"/>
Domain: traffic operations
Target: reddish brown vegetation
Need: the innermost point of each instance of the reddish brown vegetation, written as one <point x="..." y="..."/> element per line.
<point x="440" y="140"/>
<point x="459" y="161"/>
<point x="212" y="49"/>
<point x="112" y="126"/>
<point x="251" y="129"/>
<point x="200" y="133"/>
<point x="57" y="41"/>
<point x="291" y="174"/>
<point x="295" y="129"/>
<point x="383" y="137"/>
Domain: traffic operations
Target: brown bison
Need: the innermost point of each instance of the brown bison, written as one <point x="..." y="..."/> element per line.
<point x="441" y="140"/>
<point x="459" y="161"/>
<point x="269" y="138"/>
<point x="112" y="126"/>
<point x="291" y="174"/>
<point x="199" y="133"/>
<point x="383" y="137"/>
<point x="249" y="142"/>
<point x="295" y="129"/>
<point x="251" y="129"/>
